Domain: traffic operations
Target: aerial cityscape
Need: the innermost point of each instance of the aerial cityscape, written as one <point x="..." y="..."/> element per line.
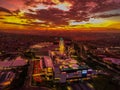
<point x="59" y="44"/>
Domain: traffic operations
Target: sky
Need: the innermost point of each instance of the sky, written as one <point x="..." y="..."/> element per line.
<point x="60" y="14"/>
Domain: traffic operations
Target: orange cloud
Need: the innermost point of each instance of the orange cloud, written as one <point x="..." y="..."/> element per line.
<point x="59" y="14"/>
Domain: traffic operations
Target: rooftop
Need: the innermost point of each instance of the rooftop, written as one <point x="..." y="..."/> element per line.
<point x="13" y="63"/>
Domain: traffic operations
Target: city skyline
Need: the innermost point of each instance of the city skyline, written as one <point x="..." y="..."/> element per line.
<point x="60" y="14"/>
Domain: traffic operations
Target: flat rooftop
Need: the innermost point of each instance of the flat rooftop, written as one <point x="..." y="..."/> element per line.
<point x="13" y="63"/>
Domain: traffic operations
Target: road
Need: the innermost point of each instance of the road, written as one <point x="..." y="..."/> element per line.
<point x="110" y="68"/>
<point x="80" y="86"/>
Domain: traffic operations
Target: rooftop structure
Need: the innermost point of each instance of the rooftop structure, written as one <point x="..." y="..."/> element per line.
<point x="70" y="69"/>
<point x="41" y="45"/>
<point x="61" y="46"/>
<point x="13" y="63"/>
<point x="112" y="60"/>
<point x="6" y="77"/>
<point x="66" y="68"/>
<point x="48" y="62"/>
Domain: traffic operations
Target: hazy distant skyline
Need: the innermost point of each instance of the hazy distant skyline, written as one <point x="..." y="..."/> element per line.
<point x="59" y="14"/>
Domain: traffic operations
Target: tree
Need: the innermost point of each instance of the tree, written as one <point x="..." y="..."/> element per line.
<point x="29" y="54"/>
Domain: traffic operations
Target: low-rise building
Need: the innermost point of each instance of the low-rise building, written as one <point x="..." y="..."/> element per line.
<point x="112" y="61"/>
<point x="17" y="62"/>
<point x="6" y="77"/>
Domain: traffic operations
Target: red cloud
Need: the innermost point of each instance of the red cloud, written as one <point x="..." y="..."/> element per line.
<point x="107" y="15"/>
<point x="4" y="10"/>
<point x="80" y="10"/>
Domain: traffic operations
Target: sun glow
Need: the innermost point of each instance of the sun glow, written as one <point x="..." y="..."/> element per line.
<point x="56" y="15"/>
<point x="92" y="22"/>
<point x="15" y="20"/>
<point x="96" y="21"/>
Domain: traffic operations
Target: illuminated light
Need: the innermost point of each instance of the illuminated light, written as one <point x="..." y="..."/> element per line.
<point x="90" y="85"/>
<point x="61" y="46"/>
<point x="6" y="83"/>
<point x="69" y="88"/>
<point x="34" y="75"/>
<point x="84" y="71"/>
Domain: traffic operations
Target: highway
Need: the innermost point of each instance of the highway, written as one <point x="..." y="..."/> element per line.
<point x="110" y="68"/>
<point x="80" y="86"/>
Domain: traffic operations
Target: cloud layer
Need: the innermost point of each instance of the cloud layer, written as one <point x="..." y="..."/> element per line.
<point x="59" y="12"/>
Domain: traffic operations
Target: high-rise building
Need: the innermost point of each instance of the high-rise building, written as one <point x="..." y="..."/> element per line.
<point x="61" y="46"/>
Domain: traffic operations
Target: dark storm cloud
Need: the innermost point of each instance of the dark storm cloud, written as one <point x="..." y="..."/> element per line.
<point x="94" y="6"/>
<point x="81" y="10"/>
<point x="16" y="11"/>
<point x="16" y="23"/>
<point x="33" y="2"/>
<point x="31" y="10"/>
<point x="5" y="10"/>
<point x="107" y="15"/>
<point x="39" y="24"/>
<point x="103" y="6"/>
<point x="1" y="18"/>
<point x="51" y="15"/>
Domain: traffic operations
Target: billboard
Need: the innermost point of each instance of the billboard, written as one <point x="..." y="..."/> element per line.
<point x="84" y="73"/>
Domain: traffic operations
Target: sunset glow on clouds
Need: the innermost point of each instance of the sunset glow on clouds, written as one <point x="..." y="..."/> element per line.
<point x="59" y="14"/>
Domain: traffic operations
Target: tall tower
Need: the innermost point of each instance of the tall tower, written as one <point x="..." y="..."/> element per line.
<point x="61" y="46"/>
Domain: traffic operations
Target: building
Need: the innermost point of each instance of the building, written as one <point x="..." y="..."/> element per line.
<point x="114" y="61"/>
<point x="61" y="68"/>
<point x="6" y="77"/>
<point x="48" y="62"/>
<point x="61" y="46"/>
<point x="17" y="62"/>
<point x="48" y="67"/>
<point x="67" y="70"/>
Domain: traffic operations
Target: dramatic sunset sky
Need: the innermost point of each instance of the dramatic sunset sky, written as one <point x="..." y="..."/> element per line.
<point x="59" y="14"/>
